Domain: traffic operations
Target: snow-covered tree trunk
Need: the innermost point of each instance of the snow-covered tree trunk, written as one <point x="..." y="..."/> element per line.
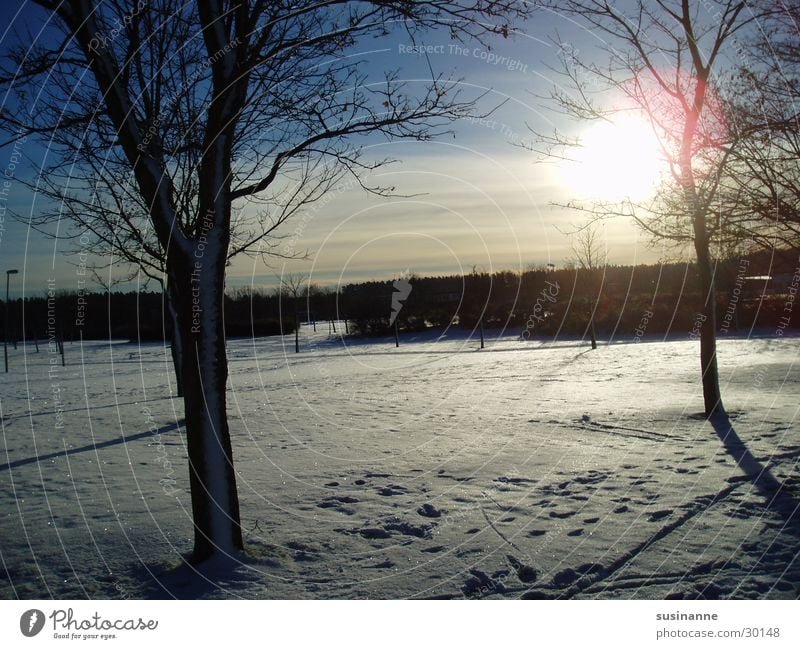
<point x="204" y="369"/>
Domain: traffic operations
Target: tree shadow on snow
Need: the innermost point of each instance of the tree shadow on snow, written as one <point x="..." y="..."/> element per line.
<point x="780" y="498"/>
<point x="774" y="549"/>
<point x="124" y="439"/>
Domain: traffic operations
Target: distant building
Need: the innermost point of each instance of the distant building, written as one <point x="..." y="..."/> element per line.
<point x="763" y="285"/>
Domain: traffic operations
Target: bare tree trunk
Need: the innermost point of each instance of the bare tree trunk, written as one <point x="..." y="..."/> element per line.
<point x="712" y="399"/>
<point x="296" y="328"/>
<point x="592" y="336"/>
<point x="60" y="342"/>
<point x="176" y="351"/>
<point x="396" y="335"/>
<point x="480" y="324"/>
<point x="176" y="347"/>
<point x="215" y="503"/>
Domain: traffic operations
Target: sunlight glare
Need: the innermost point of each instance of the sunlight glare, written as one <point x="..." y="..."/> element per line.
<point x="616" y="161"/>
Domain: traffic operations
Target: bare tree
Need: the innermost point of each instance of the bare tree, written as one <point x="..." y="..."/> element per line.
<point x="760" y="189"/>
<point x="590" y="257"/>
<point x="110" y="223"/>
<point x="661" y="60"/>
<point x="292" y="287"/>
<point x="205" y="105"/>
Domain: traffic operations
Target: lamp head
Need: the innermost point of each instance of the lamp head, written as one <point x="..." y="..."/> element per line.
<point x="12" y="272"/>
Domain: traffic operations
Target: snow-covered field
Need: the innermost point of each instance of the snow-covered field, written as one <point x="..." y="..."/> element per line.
<point x="528" y="469"/>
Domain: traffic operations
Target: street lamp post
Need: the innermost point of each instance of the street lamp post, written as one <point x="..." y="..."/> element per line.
<point x="9" y="273"/>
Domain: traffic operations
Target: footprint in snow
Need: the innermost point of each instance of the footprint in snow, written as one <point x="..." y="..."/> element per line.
<point x="383" y="564"/>
<point x="562" y="514"/>
<point x="535" y="594"/>
<point x="565" y="577"/>
<point x="392" y="490"/>
<point x="480" y="583"/>
<point x="392" y="524"/>
<point x="374" y="533"/>
<point x="588" y="568"/>
<point x="435" y="549"/>
<point x="657" y="516"/>
<point x="429" y="511"/>
<point x="337" y="503"/>
<point x="525" y="573"/>
<point x="303" y="552"/>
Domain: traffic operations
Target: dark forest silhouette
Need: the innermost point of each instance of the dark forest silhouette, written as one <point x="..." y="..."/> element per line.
<point x="632" y="301"/>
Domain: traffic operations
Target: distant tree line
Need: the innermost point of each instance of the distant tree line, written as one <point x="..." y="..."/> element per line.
<point x="631" y="301"/>
<point x="625" y="300"/>
<point x="133" y="316"/>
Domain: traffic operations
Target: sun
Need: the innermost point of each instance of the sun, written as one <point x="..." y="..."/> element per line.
<point x="617" y="160"/>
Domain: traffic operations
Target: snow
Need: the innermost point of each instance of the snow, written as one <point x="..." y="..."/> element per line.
<point x="536" y="469"/>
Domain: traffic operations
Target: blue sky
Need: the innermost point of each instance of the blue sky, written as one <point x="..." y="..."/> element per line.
<point x="480" y="200"/>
